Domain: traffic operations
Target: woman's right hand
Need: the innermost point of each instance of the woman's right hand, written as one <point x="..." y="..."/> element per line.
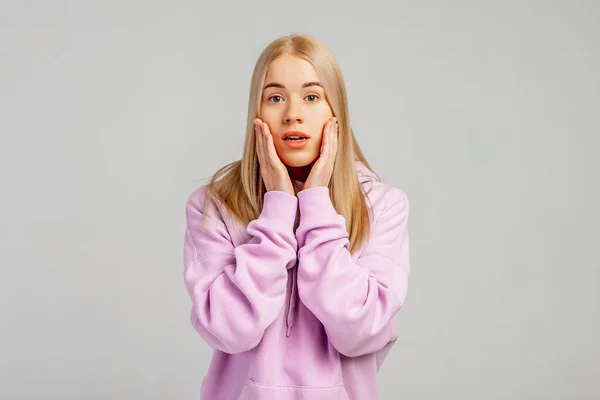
<point x="274" y="173"/>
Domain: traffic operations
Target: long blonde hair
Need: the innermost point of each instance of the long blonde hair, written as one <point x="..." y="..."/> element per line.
<point x="245" y="201"/>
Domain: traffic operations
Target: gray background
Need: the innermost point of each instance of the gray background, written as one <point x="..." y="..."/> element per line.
<point x="485" y="113"/>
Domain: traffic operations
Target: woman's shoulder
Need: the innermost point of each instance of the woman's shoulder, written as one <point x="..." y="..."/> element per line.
<point x="389" y="192"/>
<point x="378" y="191"/>
<point x="198" y="195"/>
<point x="384" y="198"/>
<point x="201" y="200"/>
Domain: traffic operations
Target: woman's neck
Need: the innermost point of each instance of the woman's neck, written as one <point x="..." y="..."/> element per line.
<point x="299" y="173"/>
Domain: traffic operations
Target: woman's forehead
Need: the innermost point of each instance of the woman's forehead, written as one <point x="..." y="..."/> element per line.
<point x="292" y="73"/>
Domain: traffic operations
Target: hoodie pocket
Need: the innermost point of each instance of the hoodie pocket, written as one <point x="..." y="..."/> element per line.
<point x="260" y="391"/>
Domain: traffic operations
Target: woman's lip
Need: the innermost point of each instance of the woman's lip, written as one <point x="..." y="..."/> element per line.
<point x="295" y="133"/>
<point x="296" y="144"/>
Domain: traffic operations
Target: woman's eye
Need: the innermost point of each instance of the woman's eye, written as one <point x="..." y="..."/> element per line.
<point x="278" y="99"/>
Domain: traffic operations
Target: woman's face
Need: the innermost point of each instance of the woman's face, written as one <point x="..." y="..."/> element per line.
<point x="292" y="100"/>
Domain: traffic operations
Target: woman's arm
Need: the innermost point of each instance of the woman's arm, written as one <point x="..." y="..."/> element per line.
<point x="238" y="292"/>
<point x="356" y="302"/>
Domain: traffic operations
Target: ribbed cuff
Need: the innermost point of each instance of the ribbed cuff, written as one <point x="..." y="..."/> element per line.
<point x="280" y="206"/>
<point x="315" y="205"/>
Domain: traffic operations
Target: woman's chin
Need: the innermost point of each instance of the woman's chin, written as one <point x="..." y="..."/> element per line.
<point x="298" y="161"/>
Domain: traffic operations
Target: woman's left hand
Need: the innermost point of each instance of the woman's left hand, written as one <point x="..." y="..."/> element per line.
<point x="322" y="169"/>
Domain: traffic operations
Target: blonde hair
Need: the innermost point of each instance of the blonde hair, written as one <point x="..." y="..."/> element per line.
<point x="245" y="201"/>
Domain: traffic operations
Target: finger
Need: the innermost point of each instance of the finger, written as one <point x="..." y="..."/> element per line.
<point x="330" y="142"/>
<point x="335" y="138"/>
<point x="326" y="145"/>
<point x="269" y="145"/>
<point x="260" y="147"/>
<point x="257" y="137"/>
<point x="324" y="138"/>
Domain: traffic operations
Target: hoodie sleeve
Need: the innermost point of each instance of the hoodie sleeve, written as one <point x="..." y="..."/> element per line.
<point x="357" y="302"/>
<point x="238" y="292"/>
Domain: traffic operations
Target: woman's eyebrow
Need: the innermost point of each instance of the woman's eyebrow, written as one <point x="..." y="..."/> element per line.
<point x="279" y="85"/>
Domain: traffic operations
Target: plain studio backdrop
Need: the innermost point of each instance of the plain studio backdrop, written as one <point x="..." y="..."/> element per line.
<point x="485" y="113"/>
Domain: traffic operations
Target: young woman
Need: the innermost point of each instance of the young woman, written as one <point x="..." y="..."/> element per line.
<point x="297" y="258"/>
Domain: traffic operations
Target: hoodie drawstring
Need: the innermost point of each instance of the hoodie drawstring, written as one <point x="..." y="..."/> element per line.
<point x="292" y="305"/>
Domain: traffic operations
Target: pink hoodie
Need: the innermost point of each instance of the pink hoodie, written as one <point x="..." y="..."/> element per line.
<point x="289" y="311"/>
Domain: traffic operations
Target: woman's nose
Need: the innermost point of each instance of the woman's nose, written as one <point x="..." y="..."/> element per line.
<point x="294" y="118"/>
<point x="292" y="114"/>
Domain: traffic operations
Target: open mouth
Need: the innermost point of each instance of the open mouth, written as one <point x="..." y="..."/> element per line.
<point x="296" y="143"/>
